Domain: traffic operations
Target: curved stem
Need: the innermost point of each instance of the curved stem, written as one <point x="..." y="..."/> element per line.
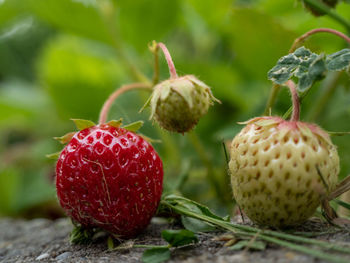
<point x="108" y="103"/>
<point x="295" y="99"/>
<point x="275" y="88"/>
<point x="303" y="38"/>
<point x="169" y="60"/>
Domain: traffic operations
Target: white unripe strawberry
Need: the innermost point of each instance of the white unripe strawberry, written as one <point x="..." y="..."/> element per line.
<point x="280" y="170"/>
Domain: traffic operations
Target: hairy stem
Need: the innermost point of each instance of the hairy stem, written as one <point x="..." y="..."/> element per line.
<point x="276" y="88"/>
<point x="169" y="60"/>
<point x="108" y="103"/>
<point x="304" y="37"/>
<point x="295" y="99"/>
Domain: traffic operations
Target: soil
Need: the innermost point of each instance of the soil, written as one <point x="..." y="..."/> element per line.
<point x="42" y="240"/>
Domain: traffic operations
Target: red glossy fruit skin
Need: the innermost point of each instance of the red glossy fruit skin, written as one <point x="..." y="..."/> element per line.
<point x="110" y="178"/>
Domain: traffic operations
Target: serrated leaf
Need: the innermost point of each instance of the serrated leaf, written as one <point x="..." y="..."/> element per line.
<point x="115" y="123"/>
<point x="53" y="156"/>
<point x="156" y="255"/>
<point x="65" y="138"/>
<point x="308" y="67"/>
<point x="134" y="127"/>
<point x="180" y="237"/>
<point x="339" y="60"/>
<point x="83" y="124"/>
<point x="256" y="245"/>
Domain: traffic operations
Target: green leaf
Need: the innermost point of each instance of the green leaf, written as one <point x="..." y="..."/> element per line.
<point x="308" y="67"/>
<point x="72" y="16"/>
<point x="83" y="124"/>
<point x="256" y="245"/>
<point x="180" y="237"/>
<point x="78" y="74"/>
<point x="192" y="206"/>
<point x="134" y="127"/>
<point x="115" y="123"/>
<point x="137" y="30"/>
<point x="9" y="10"/>
<point x="339" y="60"/>
<point x="196" y="225"/>
<point x="156" y="255"/>
<point x="65" y="138"/>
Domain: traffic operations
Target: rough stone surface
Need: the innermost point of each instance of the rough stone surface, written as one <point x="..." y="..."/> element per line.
<point x="42" y="240"/>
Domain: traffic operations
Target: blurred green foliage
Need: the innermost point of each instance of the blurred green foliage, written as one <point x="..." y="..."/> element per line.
<point x="59" y="59"/>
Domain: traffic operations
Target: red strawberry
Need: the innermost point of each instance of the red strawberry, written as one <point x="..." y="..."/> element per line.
<point x="111" y="178"/>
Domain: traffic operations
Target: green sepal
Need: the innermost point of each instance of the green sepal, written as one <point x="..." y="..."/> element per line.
<point x="115" y="123"/>
<point x="266" y="122"/>
<point x="148" y="139"/>
<point x="81" y="235"/>
<point x="202" y="84"/>
<point x="83" y="124"/>
<point x="134" y="127"/>
<point x="65" y="138"/>
<point x="53" y="156"/>
<point x="305" y="130"/>
<point x="184" y="88"/>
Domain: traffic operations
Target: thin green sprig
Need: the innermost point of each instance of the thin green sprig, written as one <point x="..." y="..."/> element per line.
<point x="271" y="236"/>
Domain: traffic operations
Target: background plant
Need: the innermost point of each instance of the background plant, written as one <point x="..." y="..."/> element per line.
<point x="61" y="58"/>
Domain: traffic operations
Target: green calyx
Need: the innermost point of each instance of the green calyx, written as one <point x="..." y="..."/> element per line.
<point x="178" y="103"/>
<point x="85" y="124"/>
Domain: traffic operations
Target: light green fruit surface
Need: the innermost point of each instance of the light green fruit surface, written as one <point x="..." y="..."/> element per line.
<point x="273" y="170"/>
<point x="178" y="104"/>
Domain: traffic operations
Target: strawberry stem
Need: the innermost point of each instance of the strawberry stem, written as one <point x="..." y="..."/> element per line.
<point x="295" y="99"/>
<point x="276" y="88"/>
<point x="172" y="70"/>
<point x="304" y="37"/>
<point x="108" y="103"/>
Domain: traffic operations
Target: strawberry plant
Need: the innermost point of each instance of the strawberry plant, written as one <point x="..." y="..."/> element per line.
<point x="61" y="59"/>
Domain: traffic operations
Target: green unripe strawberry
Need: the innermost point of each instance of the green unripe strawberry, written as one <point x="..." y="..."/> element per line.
<point x="316" y="11"/>
<point x="281" y="169"/>
<point x="178" y="103"/>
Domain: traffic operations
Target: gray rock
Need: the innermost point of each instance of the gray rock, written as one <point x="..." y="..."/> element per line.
<point x="42" y="256"/>
<point x="63" y="256"/>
